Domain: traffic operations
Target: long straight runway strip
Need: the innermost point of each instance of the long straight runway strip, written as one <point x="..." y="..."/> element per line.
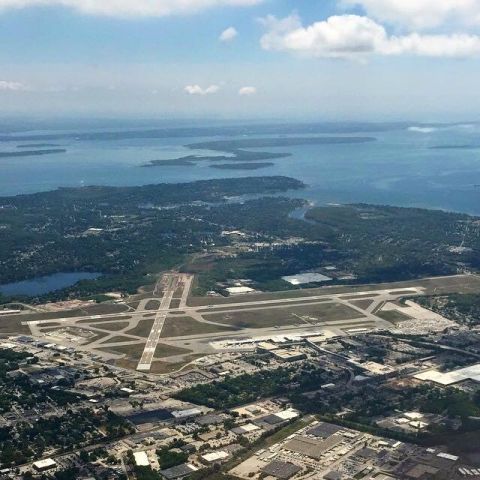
<point x="145" y="362"/>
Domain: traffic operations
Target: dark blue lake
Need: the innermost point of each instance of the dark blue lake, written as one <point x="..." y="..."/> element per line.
<point x="43" y="285"/>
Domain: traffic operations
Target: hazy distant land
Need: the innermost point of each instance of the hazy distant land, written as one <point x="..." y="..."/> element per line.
<point x="242" y="166"/>
<point x="32" y="153"/>
<point x="39" y="145"/>
<point x="235" y="148"/>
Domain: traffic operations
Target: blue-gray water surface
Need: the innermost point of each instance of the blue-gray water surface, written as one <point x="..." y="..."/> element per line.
<point x="47" y="284"/>
<point x="400" y="168"/>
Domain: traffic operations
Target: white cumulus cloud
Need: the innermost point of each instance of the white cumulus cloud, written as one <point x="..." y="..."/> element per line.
<point x="128" y="8"/>
<point x="357" y="37"/>
<point x="247" y="91"/>
<point x="6" y="85"/>
<point x="198" y="90"/>
<point x="420" y="14"/>
<point x="228" y="35"/>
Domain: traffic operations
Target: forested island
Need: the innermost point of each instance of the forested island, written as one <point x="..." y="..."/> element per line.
<point x="235" y="149"/>
<point x="31" y="153"/>
<point x="242" y="166"/>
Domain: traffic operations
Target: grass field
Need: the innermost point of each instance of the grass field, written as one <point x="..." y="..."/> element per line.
<point x="104" y="308"/>
<point x="112" y="326"/>
<point x="358" y="297"/>
<point x="363" y="304"/>
<point x="393" y="316"/>
<point x="12" y="324"/>
<point x="51" y="324"/>
<point x="104" y="320"/>
<point x="180" y="326"/>
<point x="98" y="336"/>
<point x="226" y="308"/>
<point x="118" y="339"/>
<point x="152" y="305"/>
<point x="264" y="318"/>
<point x="163" y="350"/>
<point x="175" y="303"/>
<point x="133" y="351"/>
<point x="165" y="367"/>
<point x="142" y="329"/>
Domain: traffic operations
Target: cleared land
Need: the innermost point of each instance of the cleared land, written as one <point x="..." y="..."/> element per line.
<point x="163" y="350"/>
<point x="152" y="305"/>
<point x="105" y="308"/>
<point x="112" y="326"/>
<point x="118" y="339"/>
<point x="94" y="321"/>
<point x="165" y="367"/>
<point x="393" y="316"/>
<point x="11" y="324"/>
<point x="180" y="326"/>
<point x="175" y="303"/>
<point x="286" y="316"/>
<point x="363" y="304"/>
<point x="142" y="329"/>
<point x="133" y="351"/>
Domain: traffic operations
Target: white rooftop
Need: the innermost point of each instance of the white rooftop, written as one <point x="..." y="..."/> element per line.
<point x="141" y="459"/>
<point x="287" y="414"/>
<point x="249" y="427"/>
<point x="239" y="290"/>
<point x="449" y="378"/>
<point x="44" y="464"/>
<point x="186" y="413"/>
<point x="303" y="278"/>
<point x="215" y="456"/>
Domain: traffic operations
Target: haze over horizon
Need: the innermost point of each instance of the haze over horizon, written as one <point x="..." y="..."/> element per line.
<point x="241" y="59"/>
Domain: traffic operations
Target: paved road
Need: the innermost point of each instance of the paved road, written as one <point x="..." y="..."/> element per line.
<point x="170" y="283"/>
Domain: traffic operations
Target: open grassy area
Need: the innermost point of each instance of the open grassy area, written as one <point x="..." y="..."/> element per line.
<point x="152" y="305"/>
<point x="112" y="326"/>
<point x="360" y="296"/>
<point x="363" y="304"/>
<point x="96" y="321"/>
<point x="11" y="324"/>
<point x="278" y="304"/>
<point x="175" y="303"/>
<point x="51" y="324"/>
<point x="105" y="308"/>
<point x="393" y="316"/>
<point x="271" y="317"/>
<point x="180" y="326"/>
<point x="163" y="350"/>
<point x="118" y="339"/>
<point x="161" y="367"/>
<point x="142" y="329"/>
<point x="133" y="351"/>
<point x="98" y="336"/>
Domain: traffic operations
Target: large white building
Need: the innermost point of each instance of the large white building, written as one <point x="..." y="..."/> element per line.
<point x="450" y="378"/>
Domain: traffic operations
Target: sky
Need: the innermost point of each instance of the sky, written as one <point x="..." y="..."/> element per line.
<point x="275" y="59"/>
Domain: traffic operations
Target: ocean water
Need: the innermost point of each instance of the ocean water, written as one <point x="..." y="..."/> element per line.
<point x="400" y="168"/>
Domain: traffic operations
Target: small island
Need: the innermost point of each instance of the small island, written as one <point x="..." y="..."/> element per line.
<point x="32" y="153"/>
<point x="39" y="145"/>
<point x="242" y="166"/>
<point x="237" y="153"/>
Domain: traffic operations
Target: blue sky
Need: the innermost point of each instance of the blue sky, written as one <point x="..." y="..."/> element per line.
<point x="323" y="59"/>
